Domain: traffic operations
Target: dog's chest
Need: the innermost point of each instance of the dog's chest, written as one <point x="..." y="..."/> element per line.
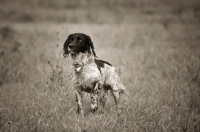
<point x="87" y="76"/>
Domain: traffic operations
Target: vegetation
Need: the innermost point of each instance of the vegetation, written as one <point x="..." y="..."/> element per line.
<point x="154" y="45"/>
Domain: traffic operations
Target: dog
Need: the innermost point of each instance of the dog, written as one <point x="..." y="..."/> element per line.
<point x="90" y="74"/>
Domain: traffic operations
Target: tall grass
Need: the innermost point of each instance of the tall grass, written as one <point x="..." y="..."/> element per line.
<point x="156" y="67"/>
<point x="156" y="52"/>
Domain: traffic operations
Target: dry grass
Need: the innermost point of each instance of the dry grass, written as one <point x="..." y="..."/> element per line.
<point x="158" y="57"/>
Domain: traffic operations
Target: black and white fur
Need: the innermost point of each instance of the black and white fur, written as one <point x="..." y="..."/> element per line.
<point x="90" y="74"/>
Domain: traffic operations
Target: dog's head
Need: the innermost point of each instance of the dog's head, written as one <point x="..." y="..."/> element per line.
<point x="76" y="43"/>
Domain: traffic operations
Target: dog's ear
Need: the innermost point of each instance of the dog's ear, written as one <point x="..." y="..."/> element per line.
<point x="65" y="46"/>
<point x="91" y="46"/>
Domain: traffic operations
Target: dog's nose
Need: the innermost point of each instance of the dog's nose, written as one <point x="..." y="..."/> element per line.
<point x="71" y="46"/>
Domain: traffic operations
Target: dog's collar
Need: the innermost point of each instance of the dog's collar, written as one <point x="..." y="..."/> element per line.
<point x="77" y="67"/>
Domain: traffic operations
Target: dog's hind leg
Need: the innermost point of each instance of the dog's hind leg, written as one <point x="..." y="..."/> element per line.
<point x="103" y="97"/>
<point x="116" y="96"/>
<point x="117" y="93"/>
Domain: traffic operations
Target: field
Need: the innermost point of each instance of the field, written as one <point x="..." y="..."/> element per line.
<point x="155" y="46"/>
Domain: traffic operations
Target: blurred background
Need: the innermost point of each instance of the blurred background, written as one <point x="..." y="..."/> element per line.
<point x="100" y="11"/>
<point x="154" y="45"/>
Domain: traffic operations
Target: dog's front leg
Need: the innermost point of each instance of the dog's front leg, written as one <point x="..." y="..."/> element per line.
<point x="94" y="98"/>
<point x="79" y="100"/>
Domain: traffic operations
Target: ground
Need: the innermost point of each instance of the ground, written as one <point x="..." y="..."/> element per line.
<point x="154" y="46"/>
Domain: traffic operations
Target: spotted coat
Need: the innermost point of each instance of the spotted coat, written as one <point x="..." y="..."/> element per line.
<point x="95" y="77"/>
<point x="90" y="74"/>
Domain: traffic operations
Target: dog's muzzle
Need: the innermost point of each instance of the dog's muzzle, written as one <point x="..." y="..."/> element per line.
<point x="71" y="46"/>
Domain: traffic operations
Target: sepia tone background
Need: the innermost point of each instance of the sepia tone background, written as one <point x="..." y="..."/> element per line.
<point x="154" y="44"/>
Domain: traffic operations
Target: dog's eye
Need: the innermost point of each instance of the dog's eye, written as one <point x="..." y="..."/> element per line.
<point x="79" y="40"/>
<point x="71" y="39"/>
